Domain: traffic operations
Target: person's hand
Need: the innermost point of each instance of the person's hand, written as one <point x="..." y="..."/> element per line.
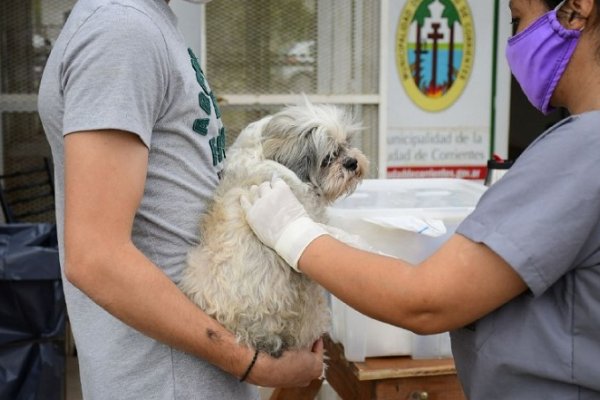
<point x="295" y="368"/>
<point x="279" y="220"/>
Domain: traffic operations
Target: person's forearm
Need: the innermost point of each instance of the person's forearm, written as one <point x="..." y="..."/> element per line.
<point x="461" y="282"/>
<point x="124" y="282"/>
<point x="378" y="286"/>
<point x="105" y="175"/>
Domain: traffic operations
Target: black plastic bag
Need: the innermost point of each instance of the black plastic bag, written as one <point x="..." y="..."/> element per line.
<point x="32" y="313"/>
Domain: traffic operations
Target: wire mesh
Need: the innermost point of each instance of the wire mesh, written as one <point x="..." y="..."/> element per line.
<point x="28" y="29"/>
<point x="256" y="47"/>
<point x="274" y="47"/>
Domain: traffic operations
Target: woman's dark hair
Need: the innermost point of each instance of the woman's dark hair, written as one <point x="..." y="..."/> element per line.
<point x="552" y="3"/>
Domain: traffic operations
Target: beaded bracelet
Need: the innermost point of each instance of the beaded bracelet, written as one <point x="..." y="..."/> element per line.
<point x="243" y="378"/>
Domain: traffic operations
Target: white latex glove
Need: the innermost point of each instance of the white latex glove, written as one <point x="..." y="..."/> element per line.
<point x="279" y="220"/>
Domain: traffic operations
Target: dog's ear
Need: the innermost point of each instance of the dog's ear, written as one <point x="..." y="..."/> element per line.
<point x="299" y="158"/>
<point x="309" y="132"/>
<point x="296" y="153"/>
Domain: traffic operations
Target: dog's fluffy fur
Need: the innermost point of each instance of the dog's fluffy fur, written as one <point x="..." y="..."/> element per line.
<point x="231" y="275"/>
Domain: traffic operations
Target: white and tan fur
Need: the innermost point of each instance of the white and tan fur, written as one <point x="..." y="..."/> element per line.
<point x="231" y="275"/>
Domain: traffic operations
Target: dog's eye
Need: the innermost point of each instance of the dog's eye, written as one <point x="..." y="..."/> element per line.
<point x="329" y="158"/>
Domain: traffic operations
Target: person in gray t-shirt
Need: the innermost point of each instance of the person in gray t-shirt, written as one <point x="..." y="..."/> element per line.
<point x="138" y="146"/>
<point x="518" y="284"/>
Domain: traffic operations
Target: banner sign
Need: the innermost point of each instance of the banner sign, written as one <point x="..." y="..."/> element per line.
<point x="439" y="88"/>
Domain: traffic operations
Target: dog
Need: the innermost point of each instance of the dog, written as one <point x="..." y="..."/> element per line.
<point x="235" y="278"/>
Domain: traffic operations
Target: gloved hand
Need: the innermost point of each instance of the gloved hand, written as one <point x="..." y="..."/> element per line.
<point x="279" y="220"/>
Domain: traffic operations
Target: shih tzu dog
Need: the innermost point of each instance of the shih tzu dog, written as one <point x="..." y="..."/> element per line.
<point x="231" y="275"/>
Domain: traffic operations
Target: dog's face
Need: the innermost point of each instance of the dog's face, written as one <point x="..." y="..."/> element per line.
<point x="314" y="142"/>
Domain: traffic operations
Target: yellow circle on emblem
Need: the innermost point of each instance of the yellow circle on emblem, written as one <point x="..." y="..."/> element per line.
<point x="435" y="45"/>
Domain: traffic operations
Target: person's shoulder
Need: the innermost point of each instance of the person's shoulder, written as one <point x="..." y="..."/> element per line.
<point x="580" y="135"/>
<point x="571" y="144"/>
<point x="581" y="130"/>
<point x="126" y="17"/>
<point x="107" y="28"/>
<point x="587" y="123"/>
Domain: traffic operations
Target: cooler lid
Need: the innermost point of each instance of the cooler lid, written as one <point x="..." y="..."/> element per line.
<point x="410" y="194"/>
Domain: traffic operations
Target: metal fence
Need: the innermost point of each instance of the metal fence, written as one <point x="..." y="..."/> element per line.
<point x="260" y="55"/>
<point x="28" y="28"/>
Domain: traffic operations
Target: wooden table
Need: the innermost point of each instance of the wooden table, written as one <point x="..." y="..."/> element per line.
<point x="385" y="378"/>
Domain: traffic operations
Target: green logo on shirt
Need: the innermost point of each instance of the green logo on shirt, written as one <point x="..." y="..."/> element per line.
<point x="205" y="100"/>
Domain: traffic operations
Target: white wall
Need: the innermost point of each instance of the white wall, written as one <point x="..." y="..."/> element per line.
<point x="190" y="18"/>
<point x="503" y="84"/>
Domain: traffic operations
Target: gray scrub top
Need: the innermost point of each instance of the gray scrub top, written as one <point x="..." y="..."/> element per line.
<point x="542" y="218"/>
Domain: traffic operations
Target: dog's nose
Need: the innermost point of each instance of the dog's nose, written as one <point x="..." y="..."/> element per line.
<point x="350" y="164"/>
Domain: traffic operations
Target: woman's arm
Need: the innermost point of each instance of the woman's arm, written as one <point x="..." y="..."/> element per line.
<point x="458" y="284"/>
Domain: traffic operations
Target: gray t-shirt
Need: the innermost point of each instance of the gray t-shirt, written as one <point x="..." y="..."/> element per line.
<point x="542" y="218"/>
<point x="123" y="64"/>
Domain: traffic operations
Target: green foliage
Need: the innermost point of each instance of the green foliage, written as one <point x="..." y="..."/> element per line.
<point x="423" y="12"/>
<point x="450" y="12"/>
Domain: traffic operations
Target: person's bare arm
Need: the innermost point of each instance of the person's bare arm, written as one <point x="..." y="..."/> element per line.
<point x="105" y="172"/>
<point x="458" y="284"/>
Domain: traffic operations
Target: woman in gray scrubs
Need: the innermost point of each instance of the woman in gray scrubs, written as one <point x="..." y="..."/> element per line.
<point x="519" y="283"/>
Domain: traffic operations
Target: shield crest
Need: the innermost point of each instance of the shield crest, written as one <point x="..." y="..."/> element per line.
<point x="434" y="51"/>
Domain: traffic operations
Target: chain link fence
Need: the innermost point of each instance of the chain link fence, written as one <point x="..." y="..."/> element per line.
<point x="273" y="49"/>
<point x="262" y="54"/>
<point x="28" y="28"/>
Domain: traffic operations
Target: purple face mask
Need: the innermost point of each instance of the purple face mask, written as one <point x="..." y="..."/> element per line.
<point x="538" y="57"/>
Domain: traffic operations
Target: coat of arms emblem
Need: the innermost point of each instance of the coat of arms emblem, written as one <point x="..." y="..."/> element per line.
<point x="435" y="44"/>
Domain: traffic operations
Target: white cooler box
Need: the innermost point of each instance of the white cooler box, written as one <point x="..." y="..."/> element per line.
<point x="408" y="219"/>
